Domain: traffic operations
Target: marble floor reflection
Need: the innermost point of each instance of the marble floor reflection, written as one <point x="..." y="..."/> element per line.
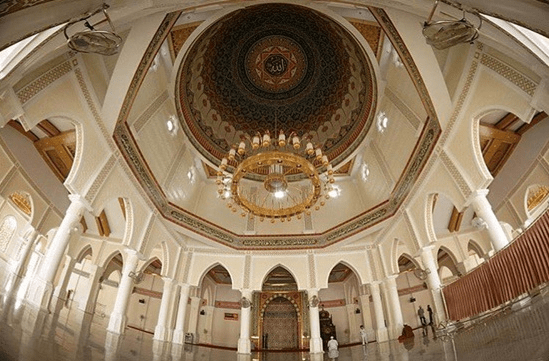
<point x="69" y="334"/>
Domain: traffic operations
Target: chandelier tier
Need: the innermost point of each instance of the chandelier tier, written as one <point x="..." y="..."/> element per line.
<point x="275" y="180"/>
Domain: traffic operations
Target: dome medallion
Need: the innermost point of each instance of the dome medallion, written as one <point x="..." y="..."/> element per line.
<point x="275" y="66"/>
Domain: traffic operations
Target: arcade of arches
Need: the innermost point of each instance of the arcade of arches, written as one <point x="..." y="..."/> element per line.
<point x="109" y="205"/>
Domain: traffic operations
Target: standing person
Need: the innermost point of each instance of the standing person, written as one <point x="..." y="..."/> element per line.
<point x="430" y="311"/>
<point x="363" y="335"/>
<point x="421" y="314"/>
<point x="332" y="348"/>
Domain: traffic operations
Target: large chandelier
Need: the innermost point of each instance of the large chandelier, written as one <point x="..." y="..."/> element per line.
<point x="275" y="179"/>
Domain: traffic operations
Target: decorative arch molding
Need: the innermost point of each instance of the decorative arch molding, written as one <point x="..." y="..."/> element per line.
<point x="23" y="202"/>
<point x="399" y="249"/>
<point x="148" y="262"/>
<point x="84" y="252"/>
<point x="476" y="247"/>
<point x="277" y="295"/>
<point x="266" y="274"/>
<point x="410" y="258"/>
<point x="479" y="162"/>
<point x="344" y="262"/>
<point x="210" y="267"/>
<point x="104" y="261"/>
<point x="534" y="196"/>
<point x="449" y="252"/>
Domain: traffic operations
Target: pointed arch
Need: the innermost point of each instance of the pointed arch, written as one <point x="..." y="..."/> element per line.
<point x="152" y="265"/>
<point x="473" y="245"/>
<point x="84" y="252"/>
<point x="346" y="264"/>
<point x="273" y="268"/>
<point x="211" y="267"/>
<point x="449" y="253"/>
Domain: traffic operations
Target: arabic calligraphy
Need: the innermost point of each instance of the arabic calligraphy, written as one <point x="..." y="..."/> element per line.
<point x="276" y="65"/>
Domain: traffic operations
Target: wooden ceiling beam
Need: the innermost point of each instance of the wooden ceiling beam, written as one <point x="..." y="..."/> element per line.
<point x="47" y="127"/>
<point x="17" y="126"/>
<point x="505" y="122"/>
<point x="535" y="120"/>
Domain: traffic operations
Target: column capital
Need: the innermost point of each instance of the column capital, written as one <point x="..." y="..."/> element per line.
<point x="133" y="252"/>
<point x="81" y="201"/>
<point x="168" y="280"/>
<point x="479" y="193"/>
<point x="184" y="286"/>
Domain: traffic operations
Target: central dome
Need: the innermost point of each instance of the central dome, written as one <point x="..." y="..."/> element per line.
<point x="275" y="67"/>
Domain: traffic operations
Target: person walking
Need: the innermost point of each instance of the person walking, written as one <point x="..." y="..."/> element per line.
<point x="363" y="335"/>
<point x="333" y="353"/>
<point x="421" y="314"/>
<point x="430" y="311"/>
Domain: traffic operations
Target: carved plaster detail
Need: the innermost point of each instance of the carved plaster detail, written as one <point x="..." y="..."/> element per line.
<point x="403" y="108"/>
<point x="411" y="228"/>
<point x="100" y="179"/>
<point x="144" y="118"/>
<point x="147" y="234"/>
<point x="312" y="270"/>
<point x="464" y="92"/>
<point x="526" y="84"/>
<point x="247" y="270"/>
<point x="43" y="81"/>
<point x="429" y="135"/>
<point x="91" y="105"/>
<point x="456" y="174"/>
<point x="188" y="260"/>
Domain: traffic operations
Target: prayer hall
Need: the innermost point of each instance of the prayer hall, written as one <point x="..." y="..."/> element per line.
<point x="246" y="180"/>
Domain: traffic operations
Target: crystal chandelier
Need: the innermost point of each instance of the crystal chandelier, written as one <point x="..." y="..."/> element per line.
<point x="275" y="179"/>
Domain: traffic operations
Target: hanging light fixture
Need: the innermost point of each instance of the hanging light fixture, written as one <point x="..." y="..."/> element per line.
<point x="275" y="179"/>
<point x="445" y="34"/>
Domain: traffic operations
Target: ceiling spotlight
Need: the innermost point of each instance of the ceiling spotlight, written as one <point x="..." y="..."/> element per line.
<point x="444" y="34"/>
<point x="171" y="124"/>
<point x="334" y="192"/>
<point x="382" y="122"/>
<point x="279" y="194"/>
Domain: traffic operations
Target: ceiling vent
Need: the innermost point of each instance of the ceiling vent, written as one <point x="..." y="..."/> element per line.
<point x="93" y="41"/>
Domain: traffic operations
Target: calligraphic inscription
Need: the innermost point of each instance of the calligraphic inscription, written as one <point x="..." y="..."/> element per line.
<point x="276" y="65"/>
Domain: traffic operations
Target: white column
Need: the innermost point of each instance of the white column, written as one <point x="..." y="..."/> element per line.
<point x="483" y="209"/>
<point x="193" y="317"/>
<point x="315" y="343"/>
<point x="87" y="303"/>
<point x="18" y="268"/>
<point x="162" y="332"/>
<point x="364" y="300"/>
<point x="43" y="285"/>
<point x="30" y="238"/>
<point x="433" y="282"/>
<point x="118" y="319"/>
<point x="244" y="343"/>
<point x="179" y="332"/>
<point x="395" y="328"/>
<point x="354" y="334"/>
<point x="381" y="329"/>
<point x="60" y="290"/>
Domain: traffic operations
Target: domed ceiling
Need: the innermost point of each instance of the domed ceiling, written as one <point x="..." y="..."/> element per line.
<point x="275" y="67"/>
<point x="272" y="67"/>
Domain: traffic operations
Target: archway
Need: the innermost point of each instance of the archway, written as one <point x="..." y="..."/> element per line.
<point x="280" y="325"/>
<point x="281" y="320"/>
<point x="446" y="260"/>
<point x="217" y="321"/>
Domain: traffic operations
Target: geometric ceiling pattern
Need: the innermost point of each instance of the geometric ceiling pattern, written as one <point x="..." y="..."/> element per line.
<point x="129" y="147"/>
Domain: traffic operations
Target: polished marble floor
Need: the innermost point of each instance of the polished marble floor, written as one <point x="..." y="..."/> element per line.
<point x="69" y="334"/>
